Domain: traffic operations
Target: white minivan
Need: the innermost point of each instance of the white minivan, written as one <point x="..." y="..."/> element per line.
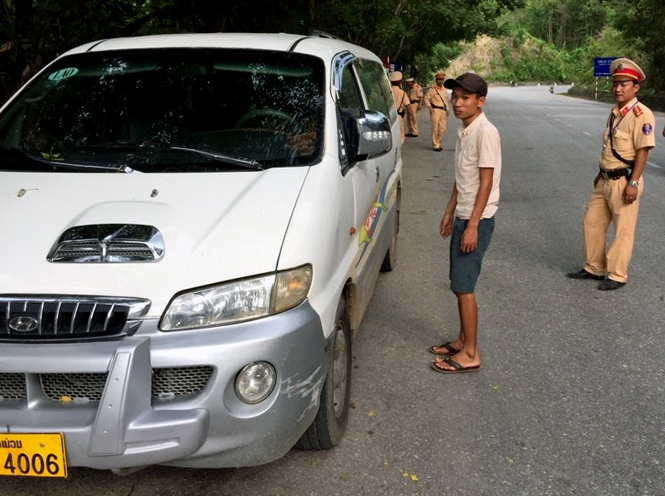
<point x="192" y="228"/>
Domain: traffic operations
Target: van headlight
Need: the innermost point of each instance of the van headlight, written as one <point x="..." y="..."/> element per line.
<point x="238" y="301"/>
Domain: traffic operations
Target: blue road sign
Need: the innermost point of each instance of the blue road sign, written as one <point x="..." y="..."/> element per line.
<point x="601" y="66"/>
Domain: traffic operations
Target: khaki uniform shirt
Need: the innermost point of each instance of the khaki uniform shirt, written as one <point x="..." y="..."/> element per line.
<point x="437" y="96"/>
<point x="416" y="93"/>
<point x="401" y="100"/>
<point x="478" y="146"/>
<point x="633" y="127"/>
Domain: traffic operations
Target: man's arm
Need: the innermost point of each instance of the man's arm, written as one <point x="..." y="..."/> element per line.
<point x="446" y="225"/>
<point x="406" y="101"/>
<point x="630" y="193"/>
<point x="470" y="235"/>
<point x="427" y="98"/>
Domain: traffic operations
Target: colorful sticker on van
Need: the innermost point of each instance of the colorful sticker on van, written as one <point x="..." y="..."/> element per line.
<point x="373" y="217"/>
<point x="371" y="221"/>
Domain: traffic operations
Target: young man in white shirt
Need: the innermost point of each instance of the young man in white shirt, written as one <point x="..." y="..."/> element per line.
<point x="469" y="216"/>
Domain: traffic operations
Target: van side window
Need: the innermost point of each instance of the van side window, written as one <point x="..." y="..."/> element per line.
<point x="350" y="105"/>
<point x="376" y="86"/>
<point x="349" y="97"/>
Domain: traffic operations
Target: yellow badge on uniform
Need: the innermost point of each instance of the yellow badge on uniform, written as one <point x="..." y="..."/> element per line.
<point x="637" y="111"/>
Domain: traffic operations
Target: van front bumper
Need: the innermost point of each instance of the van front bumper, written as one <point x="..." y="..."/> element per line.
<point x="128" y="425"/>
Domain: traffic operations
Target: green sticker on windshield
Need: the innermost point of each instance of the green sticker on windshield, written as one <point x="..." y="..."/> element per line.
<point x="63" y="74"/>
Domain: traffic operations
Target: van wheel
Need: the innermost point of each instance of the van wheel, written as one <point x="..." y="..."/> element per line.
<point x="329" y="425"/>
<point x="390" y="260"/>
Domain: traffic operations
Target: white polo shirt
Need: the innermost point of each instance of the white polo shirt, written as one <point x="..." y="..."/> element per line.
<point x="478" y="146"/>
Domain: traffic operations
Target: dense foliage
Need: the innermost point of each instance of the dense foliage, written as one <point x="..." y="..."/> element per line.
<point x="34" y="32"/>
<point x="550" y="39"/>
<point x="579" y="30"/>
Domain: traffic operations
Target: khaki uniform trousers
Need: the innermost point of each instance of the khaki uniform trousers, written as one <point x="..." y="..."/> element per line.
<point x="399" y="95"/>
<point x="438" y="118"/>
<point x="606" y="205"/>
<point x="412" y="118"/>
<point x="402" y="133"/>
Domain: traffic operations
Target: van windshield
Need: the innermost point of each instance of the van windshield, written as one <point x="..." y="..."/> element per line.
<point x="168" y="110"/>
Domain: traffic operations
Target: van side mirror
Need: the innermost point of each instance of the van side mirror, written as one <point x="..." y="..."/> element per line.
<point x="371" y="135"/>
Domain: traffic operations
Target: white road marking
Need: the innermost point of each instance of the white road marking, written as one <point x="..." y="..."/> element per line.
<point x="655" y="165"/>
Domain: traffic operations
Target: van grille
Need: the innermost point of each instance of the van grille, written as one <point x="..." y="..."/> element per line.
<point x="12" y="387"/>
<point x="167" y="383"/>
<point x="73" y="387"/>
<point x="179" y="381"/>
<point x="64" y="318"/>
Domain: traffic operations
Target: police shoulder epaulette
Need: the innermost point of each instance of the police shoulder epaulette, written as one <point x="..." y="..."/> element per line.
<point x="637" y="111"/>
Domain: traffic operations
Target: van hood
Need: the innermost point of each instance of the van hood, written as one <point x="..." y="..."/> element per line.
<point x="215" y="227"/>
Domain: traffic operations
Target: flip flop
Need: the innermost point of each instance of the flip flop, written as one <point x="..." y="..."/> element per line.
<point x="457" y="368"/>
<point x="447" y="346"/>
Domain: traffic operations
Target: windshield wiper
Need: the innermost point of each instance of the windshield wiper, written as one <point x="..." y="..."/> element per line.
<point x="56" y="165"/>
<point x="240" y="162"/>
<point x="89" y="167"/>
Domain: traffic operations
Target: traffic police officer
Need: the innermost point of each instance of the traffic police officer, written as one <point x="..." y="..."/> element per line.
<point x="629" y="135"/>
<point x="415" y="94"/>
<point x="401" y="100"/>
<point x="437" y="102"/>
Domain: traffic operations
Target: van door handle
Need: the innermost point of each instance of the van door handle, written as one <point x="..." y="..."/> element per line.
<point x="378" y="174"/>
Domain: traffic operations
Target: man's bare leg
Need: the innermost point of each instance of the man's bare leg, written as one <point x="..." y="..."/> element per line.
<point x="467" y="341"/>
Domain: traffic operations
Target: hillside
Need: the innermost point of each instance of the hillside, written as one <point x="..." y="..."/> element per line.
<point x="507" y="59"/>
<point x="483" y="56"/>
<point x="531" y="61"/>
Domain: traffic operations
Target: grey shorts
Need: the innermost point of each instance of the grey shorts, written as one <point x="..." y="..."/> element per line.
<point x="465" y="267"/>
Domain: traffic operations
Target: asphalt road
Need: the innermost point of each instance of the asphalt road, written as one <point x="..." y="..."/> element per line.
<point x="570" y="399"/>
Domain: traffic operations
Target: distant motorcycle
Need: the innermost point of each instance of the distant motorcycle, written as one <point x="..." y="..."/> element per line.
<point x="552" y="88"/>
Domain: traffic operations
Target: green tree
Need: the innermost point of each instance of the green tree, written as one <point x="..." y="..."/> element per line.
<point x="644" y="22"/>
<point x="567" y="23"/>
<point x="426" y="32"/>
<point x="32" y="33"/>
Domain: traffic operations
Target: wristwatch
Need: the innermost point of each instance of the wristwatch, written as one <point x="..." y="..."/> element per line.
<point x="634" y="184"/>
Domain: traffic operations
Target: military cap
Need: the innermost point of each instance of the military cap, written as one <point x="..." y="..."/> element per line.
<point x="440" y="75"/>
<point x="628" y="68"/>
<point x="409" y="80"/>
<point x="396" y="76"/>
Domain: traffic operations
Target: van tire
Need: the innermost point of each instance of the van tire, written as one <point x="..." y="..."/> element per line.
<point x="390" y="260"/>
<point x="329" y="426"/>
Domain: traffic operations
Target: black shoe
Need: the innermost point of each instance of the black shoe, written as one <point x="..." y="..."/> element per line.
<point x="411" y="135"/>
<point x="438" y="149"/>
<point x="610" y="285"/>
<point x="583" y="274"/>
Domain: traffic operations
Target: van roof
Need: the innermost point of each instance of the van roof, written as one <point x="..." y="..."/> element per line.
<point x="314" y="44"/>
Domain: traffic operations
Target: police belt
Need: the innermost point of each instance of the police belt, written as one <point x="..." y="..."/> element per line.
<point x="437" y="107"/>
<point x="615" y="174"/>
<point x="415" y="101"/>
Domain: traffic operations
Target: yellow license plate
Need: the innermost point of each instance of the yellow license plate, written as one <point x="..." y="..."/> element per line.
<point x="37" y="455"/>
